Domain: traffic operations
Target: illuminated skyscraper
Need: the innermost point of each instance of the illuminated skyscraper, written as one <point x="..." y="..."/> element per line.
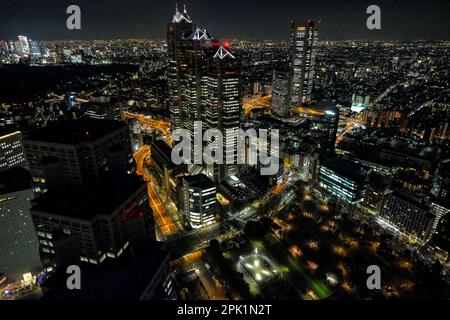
<point x="303" y="56"/>
<point x="223" y="108"/>
<point x="193" y="83"/>
<point x="178" y="44"/>
<point x="34" y="48"/>
<point x="281" y="92"/>
<point x="328" y="126"/>
<point x="24" y="45"/>
<point x="179" y="29"/>
<point x="204" y="85"/>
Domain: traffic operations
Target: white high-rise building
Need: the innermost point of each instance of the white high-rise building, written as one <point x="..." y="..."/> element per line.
<point x="24" y="45"/>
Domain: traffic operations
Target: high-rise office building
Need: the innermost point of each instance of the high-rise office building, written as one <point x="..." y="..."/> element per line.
<point x="204" y="85"/>
<point x="193" y="84"/>
<point x="178" y="46"/>
<point x="223" y="109"/>
<point x="102" y="107"/>
<point x="441" y="239"/>
<point x="9" y="46"/>
<point x="328" y="125"/>
<point x="11" y="149"/>
<point x="187" y="45"/>
<point x="302" y="60"/>
<point x="281" y="92"/>
<point x="166" y="172"/>
<point x="199" y="200"/>
<point x="179" y="29"/>
<point x="93" y="209"/>
<point x="24" y="45"/>
<point x="35" y="50"/>
<point x="141" y="272"/>
<point x="343" y="178"/>
<point x="91" y="226"/>
<point x="440" y="209"/>
<point x="441" y="183"/>
<point x="78" y="154"/>
<point x="408" y="215"/>
<point x="19" y="248"/>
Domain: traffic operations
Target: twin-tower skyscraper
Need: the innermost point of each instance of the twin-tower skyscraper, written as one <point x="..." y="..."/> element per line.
<point x="204" y="83"/>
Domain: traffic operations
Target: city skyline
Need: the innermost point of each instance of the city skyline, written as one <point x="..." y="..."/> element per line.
<point x="402" y="20"/>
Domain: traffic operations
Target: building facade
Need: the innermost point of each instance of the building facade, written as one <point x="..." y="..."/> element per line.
<point x="199" y="200"/>
<point x="178" y="46"/>
<point x="204" y="80"/>
<point x="328" y="125"/>
<point x="343" y="179"/>
<point x="19" y="248"/>
<point x="281" y="89"/>
<point x="11" y="150"/>
<point x="303" y="58"/>
<point x="78" y="154"/>
<point x="91" y="227"/>
<point x="102" y="107"/>
<point x="223" y="110"/>
<point x="407" y="215"/>
<point x="165" y="171"/>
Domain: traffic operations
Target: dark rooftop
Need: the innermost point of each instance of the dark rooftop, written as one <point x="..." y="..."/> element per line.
<point x="124" y="278"/>
<point x="162" y="147"/>
<point x="84" y="205"/>
<point x="444" y="167"/>
<point x="74" y="132"/>
<point x="7" y="130"/>
<point x="161" y="153"/>
<point x="379" y="182"/>
<point x="199" y="181"/>
<point x="347" y="168"/>
<point x="412" y="198"/>
<point x="14" y="179"/>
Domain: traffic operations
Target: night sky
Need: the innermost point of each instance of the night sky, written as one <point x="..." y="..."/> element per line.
<point x="244" y="19"/>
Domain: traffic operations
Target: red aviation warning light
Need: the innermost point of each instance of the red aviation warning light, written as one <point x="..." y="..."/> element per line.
<point x="227" y="44"/>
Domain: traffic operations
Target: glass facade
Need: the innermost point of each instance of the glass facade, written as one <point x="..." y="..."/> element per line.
<point x="339" y="185"/>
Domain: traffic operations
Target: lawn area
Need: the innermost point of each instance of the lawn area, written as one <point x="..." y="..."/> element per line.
<point x="280" y="253"/>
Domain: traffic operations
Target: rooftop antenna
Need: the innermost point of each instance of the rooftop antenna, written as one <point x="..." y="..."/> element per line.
<point x="223" y="53"/>
<point x="180" y="17"/>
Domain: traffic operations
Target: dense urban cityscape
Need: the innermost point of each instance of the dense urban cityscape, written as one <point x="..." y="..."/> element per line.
<point x="358" y="207"/>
